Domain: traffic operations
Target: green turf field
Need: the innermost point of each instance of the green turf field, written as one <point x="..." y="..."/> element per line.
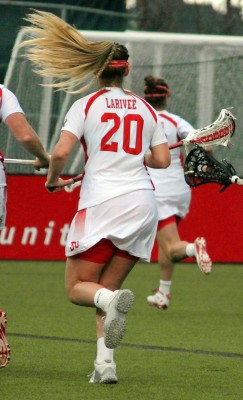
<point x="192" y="351"/>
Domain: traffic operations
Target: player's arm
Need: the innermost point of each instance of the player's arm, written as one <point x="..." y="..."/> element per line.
<point x="158" y="156"/>
<point x="25" y="134"/>
<point x="59" y="159"/>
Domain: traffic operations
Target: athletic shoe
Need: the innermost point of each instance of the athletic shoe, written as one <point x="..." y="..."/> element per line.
<point x="114" y="323"/>
<point x="203" y="260"/>
<point x="4" y="347"/>
<point x="159" y="300"/>
<point x="104" y="373"/>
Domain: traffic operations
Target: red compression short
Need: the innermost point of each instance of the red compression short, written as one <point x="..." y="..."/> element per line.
<point x="173" y="219"/>
<point x="102" y="252"/>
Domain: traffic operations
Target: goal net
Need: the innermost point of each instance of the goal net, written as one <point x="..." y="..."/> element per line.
<point x="204" y="73"/>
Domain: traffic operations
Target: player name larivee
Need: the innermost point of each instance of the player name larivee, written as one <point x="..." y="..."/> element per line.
<point x="121" y="103"/>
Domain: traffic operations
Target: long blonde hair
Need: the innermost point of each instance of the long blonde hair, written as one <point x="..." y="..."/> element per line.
<point x="60" y="52"/>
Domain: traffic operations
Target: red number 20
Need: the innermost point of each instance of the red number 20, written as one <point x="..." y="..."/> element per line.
<point x="108" y="145"/>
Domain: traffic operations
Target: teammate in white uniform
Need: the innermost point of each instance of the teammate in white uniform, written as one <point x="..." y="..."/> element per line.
<point x="116" y="221"/>
<point x="173" y="198"/>
<point x="116" y="128"/>
<point x="12" y="115"/>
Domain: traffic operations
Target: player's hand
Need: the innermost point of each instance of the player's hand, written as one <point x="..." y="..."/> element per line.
<point x="58" y="185"/>
<point x="42" y="163"/>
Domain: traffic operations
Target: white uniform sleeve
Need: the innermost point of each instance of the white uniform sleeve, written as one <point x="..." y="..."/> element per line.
<point x="159" y="136"/>
<point x="74" y="120"/>
<point x="10" y="104"/>
<point x="183" y="128"/>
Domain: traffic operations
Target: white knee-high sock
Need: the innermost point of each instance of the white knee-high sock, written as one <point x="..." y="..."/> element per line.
<point x="103" y="353"/>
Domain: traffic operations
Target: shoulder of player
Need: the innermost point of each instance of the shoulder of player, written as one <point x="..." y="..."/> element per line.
<point x="171" y="115"/>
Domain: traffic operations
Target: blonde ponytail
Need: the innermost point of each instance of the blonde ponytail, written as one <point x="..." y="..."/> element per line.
<point x="60" y="52"/>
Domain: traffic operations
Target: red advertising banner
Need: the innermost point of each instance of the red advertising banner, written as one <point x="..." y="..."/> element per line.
<point x="38" y="221"/>
<point x="218" y="217"/>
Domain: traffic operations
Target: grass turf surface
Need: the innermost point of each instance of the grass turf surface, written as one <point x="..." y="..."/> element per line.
<point x="194" y="350"/>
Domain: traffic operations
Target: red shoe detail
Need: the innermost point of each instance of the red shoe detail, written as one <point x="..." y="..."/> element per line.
<point x="4" y="346"/>
<point x="203" y="260"/>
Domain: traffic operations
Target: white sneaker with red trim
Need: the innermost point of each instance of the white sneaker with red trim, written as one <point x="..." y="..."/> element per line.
<point x="203" y="260"/>
<point x="159" y="300"/>
<point x="4" y="346"/>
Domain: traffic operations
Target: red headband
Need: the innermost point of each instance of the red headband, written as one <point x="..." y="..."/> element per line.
<point x="147" y="96"/>
<point x="162" y="87"/>
<point x="118" y="64"/>
<point x="165" y="88"/>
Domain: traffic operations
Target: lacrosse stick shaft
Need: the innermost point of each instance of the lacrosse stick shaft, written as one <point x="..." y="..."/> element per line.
<point x="71" y="183"/>
<point x="175" y="145"/>
<point x="18" y="161"/>
<point x="78" y="178"/>
<point x="70" y="188"/>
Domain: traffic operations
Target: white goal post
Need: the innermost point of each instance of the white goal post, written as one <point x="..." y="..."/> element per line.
<point x="204" y="73"/>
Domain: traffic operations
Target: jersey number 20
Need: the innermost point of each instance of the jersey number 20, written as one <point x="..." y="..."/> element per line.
<point x="130" y="119"/>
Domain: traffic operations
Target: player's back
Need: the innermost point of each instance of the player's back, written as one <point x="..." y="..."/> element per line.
<point x="171" y="180"/>
<point x="118" y="129"/>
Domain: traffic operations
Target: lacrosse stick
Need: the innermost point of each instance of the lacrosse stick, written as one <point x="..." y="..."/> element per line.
<point x="200" y="168"/>
<point x="18" y="161"/>
<point x="217" y="133"/>
<point x="75" y="182"/>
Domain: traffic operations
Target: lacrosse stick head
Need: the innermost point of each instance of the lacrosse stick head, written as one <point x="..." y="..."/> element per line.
<point x="217" y="133"/>
<point x="200" y="168"/>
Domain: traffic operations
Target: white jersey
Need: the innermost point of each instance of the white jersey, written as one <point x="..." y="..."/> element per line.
<point x="116" y="128"/>
<point x="8" y="103"/>
<point x="172" y="193"/>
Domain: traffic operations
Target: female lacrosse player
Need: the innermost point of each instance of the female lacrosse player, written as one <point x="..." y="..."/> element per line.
<point x="116" y="221"/>
<point x="173" y="197"/>
<point x="12" y="115"/>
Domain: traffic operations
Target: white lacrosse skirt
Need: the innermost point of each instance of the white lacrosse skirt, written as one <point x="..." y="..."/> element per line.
<point x="173" y="195"/>
<point x="173" y="204"/>
<point x="128" y="221"/>
<point x="3" y="196"/>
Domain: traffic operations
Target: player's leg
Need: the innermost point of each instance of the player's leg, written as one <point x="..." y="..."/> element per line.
<point x="112" y="278"/>
<point x="83" y="272"/>
<point x="93" y="281"/>
<point x="172" y="249"/>
<point x="168" y="240"/>
<point x="180" y="249"/>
